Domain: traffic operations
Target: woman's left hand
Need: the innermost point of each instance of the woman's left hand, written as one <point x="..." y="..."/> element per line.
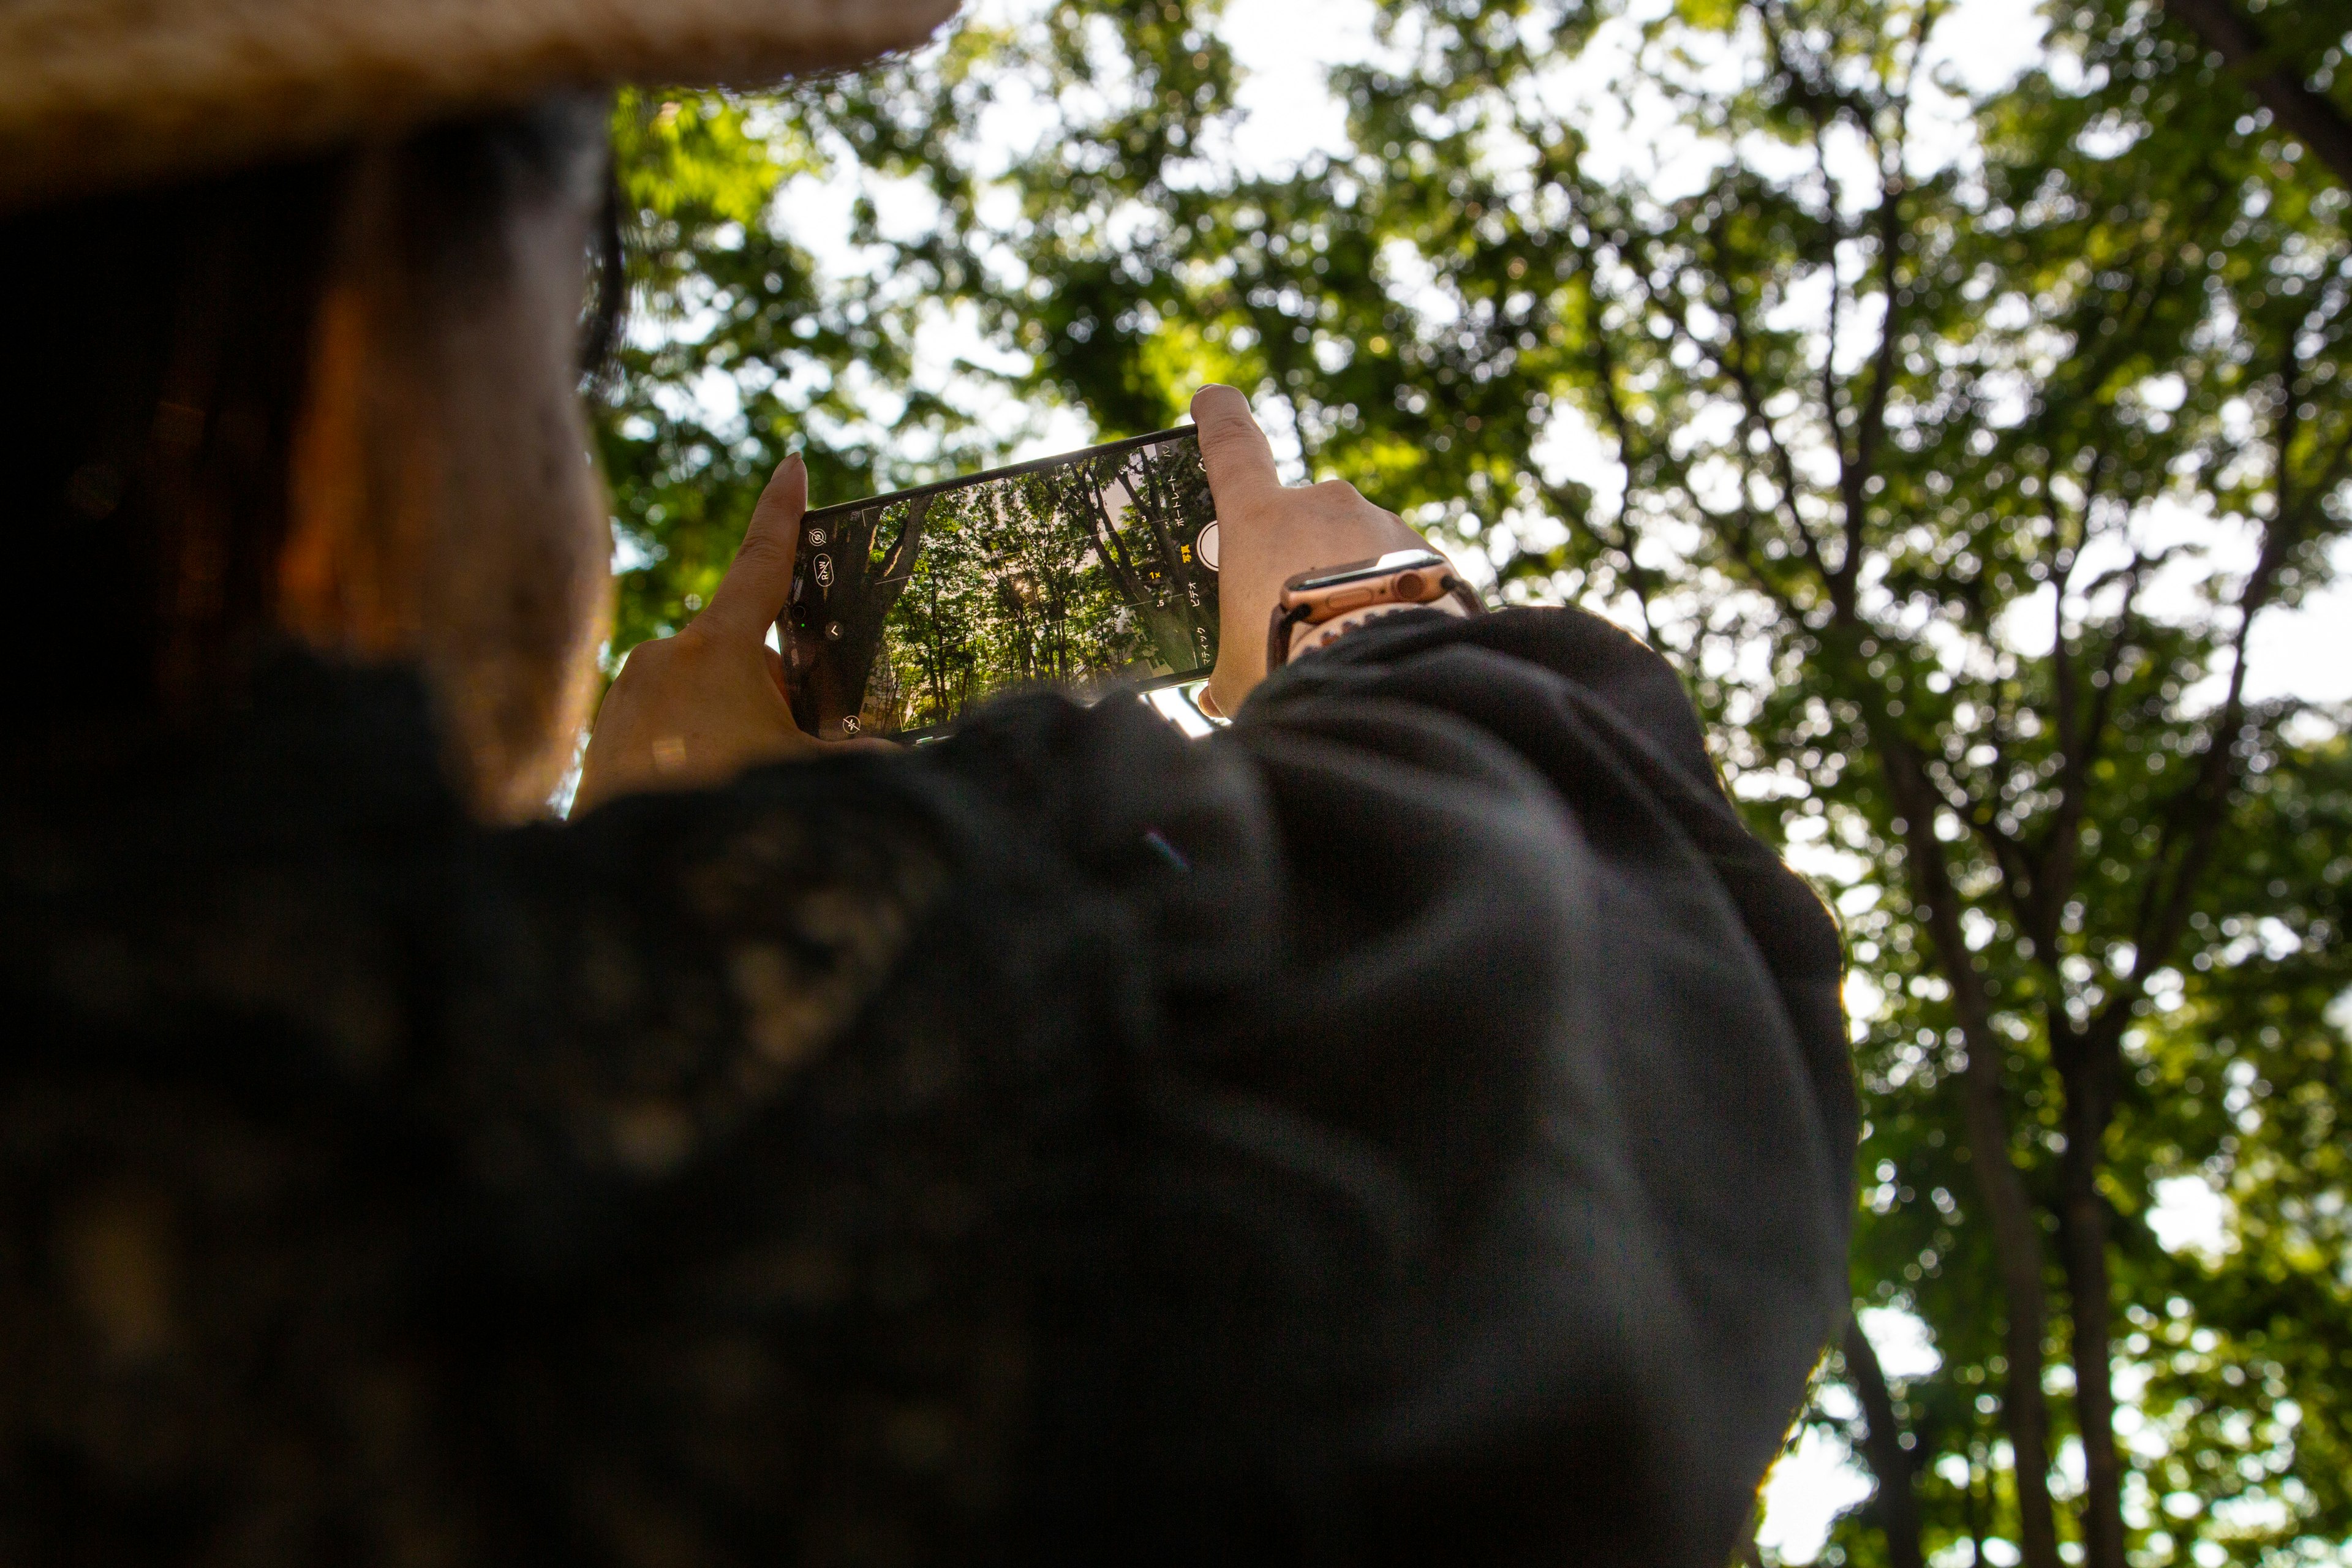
<point x="700" y="706"/>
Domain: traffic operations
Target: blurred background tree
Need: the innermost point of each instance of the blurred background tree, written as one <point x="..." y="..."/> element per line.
<point x="1955" y="441"/>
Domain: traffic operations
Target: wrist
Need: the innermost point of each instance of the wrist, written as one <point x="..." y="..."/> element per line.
<point x="1306" y="639"/>
<point x="1315" y="608"/>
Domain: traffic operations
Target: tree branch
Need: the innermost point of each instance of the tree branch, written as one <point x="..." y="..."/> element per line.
<point x="1839" y="589"/>
<point x="2307" y="116"/>
<point x="1621" y="426"/>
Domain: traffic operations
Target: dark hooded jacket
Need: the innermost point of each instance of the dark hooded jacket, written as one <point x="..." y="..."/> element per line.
<point x="1412" y="1126"/>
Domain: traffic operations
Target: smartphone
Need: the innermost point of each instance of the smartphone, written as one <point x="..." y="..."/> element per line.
<point x="1086" y="570"/>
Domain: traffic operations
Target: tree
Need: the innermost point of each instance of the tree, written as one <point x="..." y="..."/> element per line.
<point x="1957" y="483"/>
<point x="2288" y="58"/>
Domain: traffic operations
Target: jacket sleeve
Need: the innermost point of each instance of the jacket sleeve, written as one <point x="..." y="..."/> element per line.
<point x="1495" y="1124"/>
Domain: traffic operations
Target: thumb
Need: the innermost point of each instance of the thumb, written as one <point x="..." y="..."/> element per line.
<point x="753" y="592"/>
<point x="1233" y="450"/>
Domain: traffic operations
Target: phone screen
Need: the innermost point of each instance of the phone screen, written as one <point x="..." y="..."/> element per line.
<point x="1082" y="570"/>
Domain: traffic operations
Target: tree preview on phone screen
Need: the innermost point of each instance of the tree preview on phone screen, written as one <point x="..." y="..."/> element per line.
<point x="1083" y="570"/>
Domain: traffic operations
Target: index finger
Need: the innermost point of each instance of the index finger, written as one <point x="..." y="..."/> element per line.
<point x="1233" y="449"/>
<point x="753" y="593"/>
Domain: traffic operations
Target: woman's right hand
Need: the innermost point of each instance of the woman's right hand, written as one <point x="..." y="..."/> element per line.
<point x="1268" y="533"/>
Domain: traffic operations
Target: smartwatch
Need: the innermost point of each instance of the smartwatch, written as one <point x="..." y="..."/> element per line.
<point x="1317" y="607"/>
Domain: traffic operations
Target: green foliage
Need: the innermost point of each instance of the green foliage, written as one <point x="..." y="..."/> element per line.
<point x="739" y="352"/>
<point x="1952" y="483"/>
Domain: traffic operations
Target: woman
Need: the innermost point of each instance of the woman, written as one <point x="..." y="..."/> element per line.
<point x="804" y="1154"/>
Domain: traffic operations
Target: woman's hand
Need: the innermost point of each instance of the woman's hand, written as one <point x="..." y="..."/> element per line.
<point x="700" y="706"/>
<point x="1267" y="534"/>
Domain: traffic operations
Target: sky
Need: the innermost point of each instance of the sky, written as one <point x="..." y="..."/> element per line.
<point x="1284" y="48"/>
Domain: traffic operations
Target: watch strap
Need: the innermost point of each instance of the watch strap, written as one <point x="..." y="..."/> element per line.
<point x="1305" y="639"/>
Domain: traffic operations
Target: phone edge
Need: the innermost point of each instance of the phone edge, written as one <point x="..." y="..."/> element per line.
<point x="1011" y="470"/>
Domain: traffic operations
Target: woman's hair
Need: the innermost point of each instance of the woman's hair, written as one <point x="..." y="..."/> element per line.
<point x="156" y="378"/>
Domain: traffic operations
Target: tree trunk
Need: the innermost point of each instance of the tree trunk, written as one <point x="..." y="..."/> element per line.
<point x="1977" y="1508"/>
<point x="1894" y="1467"/>
<point x="1158" y="508"/>
<point x="2083" y="1245"/>
<point x="2009" y="1207"/>
<point x="859" y="604"/>
<point x="1171" y="631"/>
<point x="2017" y="1245"/>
